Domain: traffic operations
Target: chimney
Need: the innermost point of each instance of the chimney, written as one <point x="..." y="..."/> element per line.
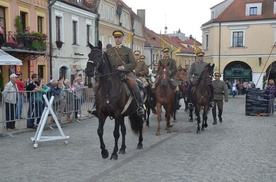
<point x="142" y="14"/>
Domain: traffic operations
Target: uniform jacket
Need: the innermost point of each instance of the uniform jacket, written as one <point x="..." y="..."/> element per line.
<point x="141" y="69"/>
<point x="220" y="90"/>
<point x="10" y="93"/>
<point x="126" y="55"/>
<point x="196" y="69"/>
<point x="173" y="68"/>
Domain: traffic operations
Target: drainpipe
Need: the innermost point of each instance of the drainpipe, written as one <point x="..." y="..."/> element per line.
<point x="50" y="35"/>
<point x="219" y="46"/>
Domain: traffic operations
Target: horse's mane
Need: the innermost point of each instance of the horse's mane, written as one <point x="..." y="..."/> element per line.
<point x="201" y="75"/>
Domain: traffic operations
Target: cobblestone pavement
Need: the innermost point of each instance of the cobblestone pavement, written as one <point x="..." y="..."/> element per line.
<point x="242" y="148"/>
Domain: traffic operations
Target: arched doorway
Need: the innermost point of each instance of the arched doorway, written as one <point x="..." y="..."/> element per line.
<point x="237" y="70"/>
<point x="271" y="71"/>
<point x="63" y="71"/>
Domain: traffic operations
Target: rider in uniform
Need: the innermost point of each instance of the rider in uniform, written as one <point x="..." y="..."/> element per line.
<point x="196" y="69"/>
<point x="122" y="59"/>
<point x="220" y="91"/>
<point x="142" y="69"/>
<point x="172" y="71"/>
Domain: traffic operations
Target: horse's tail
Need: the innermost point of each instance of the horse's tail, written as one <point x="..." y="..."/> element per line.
<point x="136" y="123"/>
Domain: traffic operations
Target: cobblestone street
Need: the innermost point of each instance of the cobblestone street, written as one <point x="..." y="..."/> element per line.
<point x="241" y="149"/>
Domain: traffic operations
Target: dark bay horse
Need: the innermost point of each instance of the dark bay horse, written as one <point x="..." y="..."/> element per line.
<point x="201" y="94"/>
<point x="112" y="100"/>
<point x="164" y="94"/>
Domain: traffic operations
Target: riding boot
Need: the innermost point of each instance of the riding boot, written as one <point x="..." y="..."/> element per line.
<point x="219" y="115"/>
<point x="137" y="95"/>
<point x="177" y="99"/>
<point x="211" y="103"/>
<point x="190" y="97"/>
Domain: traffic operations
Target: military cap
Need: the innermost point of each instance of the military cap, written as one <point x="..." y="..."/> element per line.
<point x="166" y="49"/>
<point x="118" y="33"/>
<point x="200" y="54"/>
<point x="217" y="74"/>
<point x="137" y="52"/>
<point x="142" y="57"/>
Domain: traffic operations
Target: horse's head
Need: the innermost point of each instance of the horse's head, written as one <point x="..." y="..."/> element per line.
<point x="95" y="59"/>
<point x="182" y="75"/>
<point x="207" y="74"/>
<point x="164" y="73"/>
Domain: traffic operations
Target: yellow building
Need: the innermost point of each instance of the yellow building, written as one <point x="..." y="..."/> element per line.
<point x="240" y="39"/>
<point x="26" y="21"/>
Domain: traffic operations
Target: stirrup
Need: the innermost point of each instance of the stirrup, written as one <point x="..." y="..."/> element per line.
<point x="190" y="105"/>
<point x="211" y="104"/>
<point x="140" y="111"/>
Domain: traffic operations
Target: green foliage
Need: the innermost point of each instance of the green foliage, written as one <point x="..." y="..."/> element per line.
<point x="18" y="25"/>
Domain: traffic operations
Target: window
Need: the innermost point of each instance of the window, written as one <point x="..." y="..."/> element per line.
<point x="101" y="38"/>
<point x="23" y="16"/>
<point x="74" y="38"/>
<point x="109" y="40"/>
<point x="2" y="19"/>
<point x="237" y="40"/>
<point x="87" y="33"/>
<point x="253" y="11"/>
<point x="206" y="45"/>
<point x="39" y="24"/>
<point x="58" y="28"/>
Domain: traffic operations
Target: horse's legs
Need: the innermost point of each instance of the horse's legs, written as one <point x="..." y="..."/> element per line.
<point x="159" y="107"/>
<point x="123" y="132"/>
<point x="197" y="110"/>
<point x="148" y="115"/>
<point x="191" y="110"/>
<point x="168" y="117"/>
<point x="116" y="135"/>
<point x="205" y="117"/>
<point x="140" y="144"/>
<point x="100" y="134"/>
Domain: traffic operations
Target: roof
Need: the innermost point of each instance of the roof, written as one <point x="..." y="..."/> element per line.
<point x="236" y="11"/>
<point x="152" y="39"/>
<point x="174" y="40"/>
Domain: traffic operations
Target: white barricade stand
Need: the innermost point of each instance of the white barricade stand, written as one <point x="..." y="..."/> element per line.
<point x="38" y="138"/>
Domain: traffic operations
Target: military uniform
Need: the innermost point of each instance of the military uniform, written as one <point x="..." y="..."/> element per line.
<point x="142" y="70"/>
<point x="220" y="93"/>
<point x="196" y="69"/>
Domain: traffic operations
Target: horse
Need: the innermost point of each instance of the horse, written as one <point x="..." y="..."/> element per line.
<point x="201" y="94"/>
<point x="164" y="94"/>
<point x="182" y="77"/>
<point x="150" y="102"/>
<point x="113" y="100"/>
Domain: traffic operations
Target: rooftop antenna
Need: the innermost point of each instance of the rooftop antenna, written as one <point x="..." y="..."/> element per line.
<point x="165" y="26"/>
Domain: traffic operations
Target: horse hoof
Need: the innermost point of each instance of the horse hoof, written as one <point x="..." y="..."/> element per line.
<point x="139" y="146"/>
<point x="114" y="156"/>
<point x="191" y="120"/>
<point x="122" y="151"/>
<point x="175" y="121"/>
<point x="206" y="125"/>
<point x="158" y="133"/>
<point x="202" y="129"/>
<point x="198" y="132"/>
<point x="169" y="131"/>
<point x="105" y="154"/>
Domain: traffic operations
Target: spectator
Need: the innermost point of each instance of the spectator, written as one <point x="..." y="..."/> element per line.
<point x="62" y="95"/>
<point x="271" y="90"/>
<point x="10" y="95"/>
<point x="35" y="106"/>
<point x="240" y="87"/>
<point x="234" y="88"/>
<point x="70" y="98"/>
<point x="12" y="39"/>
<point x="19" y="108"/>
<point x="54" y="91"/>
<point x="78" y="87"/>
<point x="39" y="94"/>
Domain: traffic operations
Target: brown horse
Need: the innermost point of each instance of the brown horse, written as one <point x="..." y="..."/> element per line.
<point x="201" y="94"/>
<point x="112" y="100"/>
<point x="182" y="77"/>
<point x="164" y="95"/>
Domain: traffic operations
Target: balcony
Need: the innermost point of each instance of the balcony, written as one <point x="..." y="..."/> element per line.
<point x="27" y="41"/>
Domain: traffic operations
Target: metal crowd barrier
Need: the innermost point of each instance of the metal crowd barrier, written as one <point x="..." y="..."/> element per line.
<point x="26" y="113"/>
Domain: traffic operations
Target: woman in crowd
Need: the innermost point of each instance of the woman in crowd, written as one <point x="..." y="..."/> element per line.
<point x="271" y="90"/>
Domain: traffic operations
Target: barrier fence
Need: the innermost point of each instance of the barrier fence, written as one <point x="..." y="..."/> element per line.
<point x="26" y="112"/>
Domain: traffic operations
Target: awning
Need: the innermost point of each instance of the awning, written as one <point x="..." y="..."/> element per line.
<point x="7" y="59"/>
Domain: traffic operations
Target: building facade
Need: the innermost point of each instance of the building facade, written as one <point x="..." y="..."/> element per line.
<point x="73" y="26"/>
<point x="240" y="40"/>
